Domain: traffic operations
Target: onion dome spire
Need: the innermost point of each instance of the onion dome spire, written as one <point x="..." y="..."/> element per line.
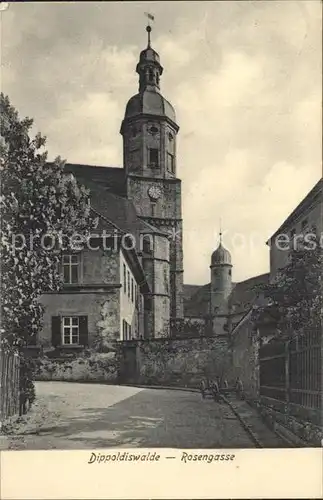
<point x="220" y="256"/>
<point x="149" y="68"/>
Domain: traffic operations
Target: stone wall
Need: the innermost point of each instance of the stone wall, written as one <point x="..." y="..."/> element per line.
<point x="174" y="362"/>
<point x="86" y="367"/>
<point x="245" y="365"/>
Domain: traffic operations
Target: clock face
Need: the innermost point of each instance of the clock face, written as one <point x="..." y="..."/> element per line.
<point x="154" y="192"/>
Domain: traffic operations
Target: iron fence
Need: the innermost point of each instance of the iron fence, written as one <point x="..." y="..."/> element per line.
<point x="291" y="373"/>
<point x="9" y="384"/>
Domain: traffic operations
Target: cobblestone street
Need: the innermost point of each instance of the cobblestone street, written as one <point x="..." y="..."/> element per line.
<point x="73" y="415"/>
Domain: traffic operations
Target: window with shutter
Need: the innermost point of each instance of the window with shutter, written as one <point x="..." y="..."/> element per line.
<point x="56" y="331"/>
<point x="84" y="334"/>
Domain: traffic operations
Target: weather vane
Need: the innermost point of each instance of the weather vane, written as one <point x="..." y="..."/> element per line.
<point x="148" y="29"/>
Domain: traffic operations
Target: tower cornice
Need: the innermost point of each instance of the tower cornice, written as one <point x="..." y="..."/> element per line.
<point x="147" y="116"/>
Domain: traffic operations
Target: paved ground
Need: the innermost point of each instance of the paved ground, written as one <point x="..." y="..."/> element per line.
<point x="73" y="415"/>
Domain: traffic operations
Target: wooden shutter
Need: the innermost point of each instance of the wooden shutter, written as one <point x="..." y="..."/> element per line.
<point x="56" y="331"/>
<point x="84" y="334"/>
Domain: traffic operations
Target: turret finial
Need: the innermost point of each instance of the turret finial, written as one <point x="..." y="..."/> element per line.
<point x="148" y="28"/>
<point x="220" y="232"/>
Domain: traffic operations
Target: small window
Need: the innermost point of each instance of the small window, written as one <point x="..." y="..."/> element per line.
<point x="230" y="271"/>
<point x="128" y="284"/>
<point x="124" y="278"/>
<point x="71" y="330"/>
<point x="146" y="246"/>
<point x="129" y="332"/>
<point x="71" y="268"/>
<point x="170" y="163"/>
<point x="153" y="130"/>
<point x="151" y="75"/>
<point x="153" y="159"/>
<point x="132" y="290"/>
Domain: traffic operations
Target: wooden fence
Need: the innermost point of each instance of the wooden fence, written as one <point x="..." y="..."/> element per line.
<point x="291" y="374"/>
<point x="9" y="384"/>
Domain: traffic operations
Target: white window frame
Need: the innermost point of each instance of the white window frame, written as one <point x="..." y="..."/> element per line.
<point x="67" y="262"/>
<point x="70" y="323"/>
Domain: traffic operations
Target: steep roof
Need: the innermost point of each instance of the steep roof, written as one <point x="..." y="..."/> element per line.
<point x="113" y="178"/>
<point x="197" y="305"/>
<point x="197" y="298"/>
<point x="189" y="290"/>
<point x="244" y="293"/>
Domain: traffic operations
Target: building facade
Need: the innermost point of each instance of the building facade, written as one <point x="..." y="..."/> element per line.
<point x="306" y="218"/>
<point x="132" y="289"/>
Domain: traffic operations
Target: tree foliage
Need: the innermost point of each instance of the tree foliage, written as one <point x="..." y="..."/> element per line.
<point x="40" y="205"/>
<point x="187" y="328"/>
<point x="293" y="302"/>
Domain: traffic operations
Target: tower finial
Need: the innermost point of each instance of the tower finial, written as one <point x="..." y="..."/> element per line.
<point x="220" y="232"/>
<point x="148" y="28"/>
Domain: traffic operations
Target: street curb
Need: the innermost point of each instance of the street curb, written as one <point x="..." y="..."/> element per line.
<point x="244" y="424"/>
<point x="289" y="436"/>
<point x="162" y="387"/>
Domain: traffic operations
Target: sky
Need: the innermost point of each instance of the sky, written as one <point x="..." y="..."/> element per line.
<point x="245" y="79"/>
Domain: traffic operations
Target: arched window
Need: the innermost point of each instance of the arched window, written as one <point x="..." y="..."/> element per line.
<point x="150" y="75"/>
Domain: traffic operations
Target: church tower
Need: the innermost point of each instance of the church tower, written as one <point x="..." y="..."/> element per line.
<point x="149" y="131"/>
<point x="221" y="285"/>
